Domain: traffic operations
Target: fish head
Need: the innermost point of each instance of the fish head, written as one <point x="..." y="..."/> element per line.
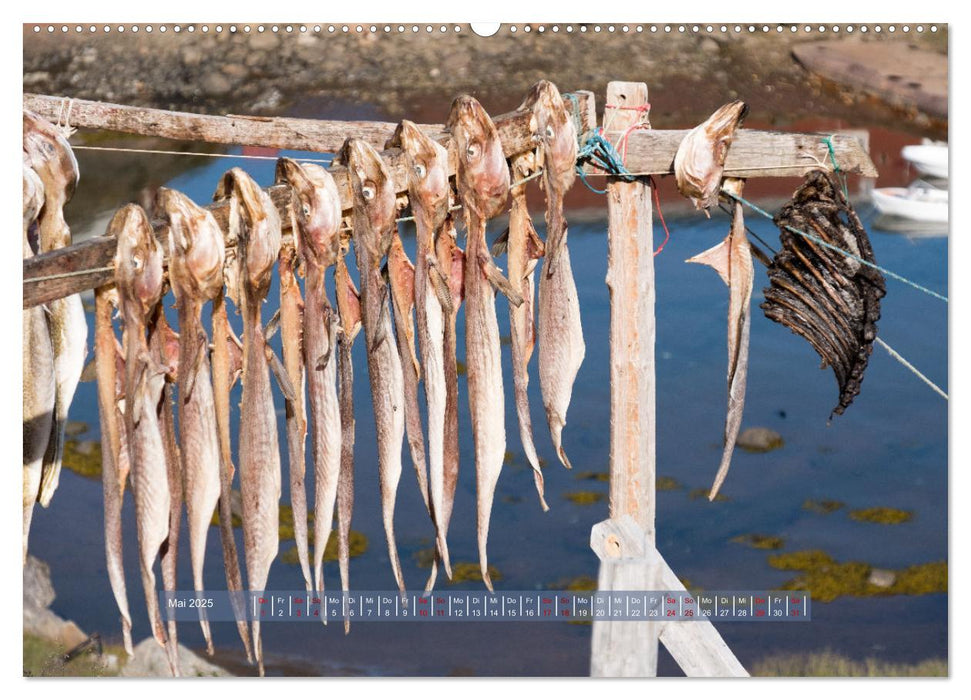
<point x="700" y="160"/>
<point x="317" y="205"/>
<point x="138" y="259"/>
<point x="483" y="176"/>
<point x="50" y="155"/>
<point x="427" y="170"/>
<point x="196" y="246"/>
<point x="33" y="195"/>
<point x="259" y="230"/>
<point x="374" y="197"/>
<point x="554" y="133"/>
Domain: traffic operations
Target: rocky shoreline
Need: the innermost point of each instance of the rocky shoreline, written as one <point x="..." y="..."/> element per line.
<point x="339" y="74"/>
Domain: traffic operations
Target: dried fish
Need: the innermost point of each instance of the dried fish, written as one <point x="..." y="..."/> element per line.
<point x="259" y="232"/>
<point x="318" y="217"/>
<point x="196" y="257"/>
<point x="561" y="346"/>
<point x="428" y="191"/>
<point x="483" y="184"/>
<point x="732" y="259"/>
<point x="50" y="156"/>
<point x="700" y="160"/>
<point x="374" y="213"/>
<point x="138" y="278"/>
<point x="831" y="300"/>
<point x="39" y="389"/>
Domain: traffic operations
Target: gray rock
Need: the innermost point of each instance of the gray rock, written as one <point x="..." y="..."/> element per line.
<point x="759" y="440"/>
<point x="881" y="578"/>
<point x="215" y="84"/>
<point x="192" y="56"/>
<point x="38" y="618"/>
<point x="235" y="70"/>
<point x="36" y="77"/>
<point x="266" y="41"/>
<point x="150" y="661"/>
<point x="38" y="589"/>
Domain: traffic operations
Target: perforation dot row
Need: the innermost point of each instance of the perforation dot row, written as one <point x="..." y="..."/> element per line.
<point x="512" y="29"/>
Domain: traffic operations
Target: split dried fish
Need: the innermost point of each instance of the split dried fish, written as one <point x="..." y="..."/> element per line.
<point x="831" y="300"/>
<point x="39" y="390"/>
<point x="259" y="233"/>
<point x="50" y="156"/>
<point x="732" y="260"/>
<point x="483" y="184"/>
<point x="700" y="160"/>
<point x="374" y="214"/>
<point x="138" y="278"/>
<point x="561" y="345"/>
<point x="196" y="257"/>
<point x="317" y="208"/>
<point x="428" y="192"/>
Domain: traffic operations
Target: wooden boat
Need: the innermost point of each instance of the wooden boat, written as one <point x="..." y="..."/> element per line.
<point x="918" y="202"/>
<point x="930" y="158"/>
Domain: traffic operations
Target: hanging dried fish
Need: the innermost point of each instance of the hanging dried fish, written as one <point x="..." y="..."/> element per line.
<point x="374" y="213"/>
<point x="561" y="346"/>
<point x="831" y="300"/>
<point x="318" y="218"/>
<point x="700" y="160"/>
<point x="732" y="259"/>
<point x="483" y="185"/>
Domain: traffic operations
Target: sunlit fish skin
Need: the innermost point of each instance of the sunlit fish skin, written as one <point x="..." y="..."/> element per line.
<point x="114" y="450"/>
<point x="259" y="232"/>
<point x="732" y="259"/>
<point x="196" y="257"/>
<point x="38" y="366"/>
<point x="428" y="192"/>
<point x="523" y="249"/>
<point x="138" y="278"/>
<point x="700" y="160"/>
<point x="317" y="209"/>
<point x="483" y="184"/>
<point x="561" y="345"/>
<point x="349" y="314"/>
<point x="374" y="214"/>
<point x="50" y="156"/>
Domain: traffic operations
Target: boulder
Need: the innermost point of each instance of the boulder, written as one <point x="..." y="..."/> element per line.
<point x="150" y="661"/>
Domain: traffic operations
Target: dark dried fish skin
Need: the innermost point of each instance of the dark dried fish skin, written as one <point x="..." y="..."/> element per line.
<point x="840" y="304"/>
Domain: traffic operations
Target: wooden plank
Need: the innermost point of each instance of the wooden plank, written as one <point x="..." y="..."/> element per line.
<point x="754" y="153"/>
<point x="697" y="647"/>
<point x="41" y="285"/>
<point x="630" y="279"/>
<point x="627" y="649"/>
<point x="620" y="544"/>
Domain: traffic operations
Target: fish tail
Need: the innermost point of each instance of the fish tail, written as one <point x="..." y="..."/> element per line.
<point x="556" y="432"/>
<point x="392" y="547"/>
<point x="432" y="576"/>
<point x="486" y="495"/>
<point x="321" y="537"/>
<point x="53" y="459"/>
<point x="258" y="648"/>
<point x="443" y="553"/>
<point x="126" y="634"/>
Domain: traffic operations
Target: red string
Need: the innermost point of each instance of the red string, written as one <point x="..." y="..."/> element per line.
<point x="657" y="203"/>
<point x="622" y="142"/>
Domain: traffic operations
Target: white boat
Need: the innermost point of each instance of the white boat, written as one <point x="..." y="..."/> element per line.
<point x="918" y="202"/>
<point x="930" y="158"/>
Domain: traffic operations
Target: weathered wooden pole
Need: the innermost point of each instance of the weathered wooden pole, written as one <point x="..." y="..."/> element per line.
<point x="629" y="648"/>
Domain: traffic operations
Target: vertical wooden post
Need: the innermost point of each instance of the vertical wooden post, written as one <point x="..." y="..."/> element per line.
<point x="629" y="648"/>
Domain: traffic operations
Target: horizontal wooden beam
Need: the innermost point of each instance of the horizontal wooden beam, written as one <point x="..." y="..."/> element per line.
<point x="53" y="275"/>
<point x="753" y="153"/>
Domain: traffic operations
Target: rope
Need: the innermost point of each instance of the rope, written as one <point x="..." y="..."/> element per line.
<point x="193" y="153"/>
<point x="902" y="360"/>
<point x="836" y="166"/>
<point x="821" y="242"/>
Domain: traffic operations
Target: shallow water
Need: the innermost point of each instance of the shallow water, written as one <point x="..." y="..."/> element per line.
<point x="890" y="449"/>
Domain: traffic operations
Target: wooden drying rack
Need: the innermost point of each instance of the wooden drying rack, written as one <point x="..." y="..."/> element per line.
<point x="625" y="542"/>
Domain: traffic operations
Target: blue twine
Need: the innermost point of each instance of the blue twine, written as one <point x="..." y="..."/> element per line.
<point x="836" y="166"/>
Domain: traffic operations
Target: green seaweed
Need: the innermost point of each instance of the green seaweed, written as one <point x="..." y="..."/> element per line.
<point x="463" y="572"/>
<point x="882" y="516"/>
<point x="424" y="558"/>
<point x="800" y="561"/>
<point x="702" y="493"/>
<point x="83" y="457"/>
<point x="460" y="367"/>
<point x="667" y="483"/>
<point x="357" y="544"/>
<point x="45" y="658"/>
<point x="592" y="476"/>
<point x="830" y="664"/>
<point x="757" y="541"/>
<point x="822" y="507"/>
<point x="584" y="498"/>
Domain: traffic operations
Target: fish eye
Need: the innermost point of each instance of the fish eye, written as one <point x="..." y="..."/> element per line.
<point x="136" y="262"/>
<point x="367" y="191"/>
<point x="472" y="151"/>
<point x="306" y="209"/>
<point x="420" y="170"/>
<point x="549" y="131"/>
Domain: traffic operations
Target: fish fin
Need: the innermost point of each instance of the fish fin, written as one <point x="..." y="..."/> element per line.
<point x="501" y="244"/>
<point x="440" y="285"/>
<point x="381" y="334"/>
<point x="272" y="326"/>
<point x="499" y="282"/>
<point x="280" y="372"/>
<point x="322" y="361"/>
<point x="535" y="247"/>
<point x="716" y="257"/>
